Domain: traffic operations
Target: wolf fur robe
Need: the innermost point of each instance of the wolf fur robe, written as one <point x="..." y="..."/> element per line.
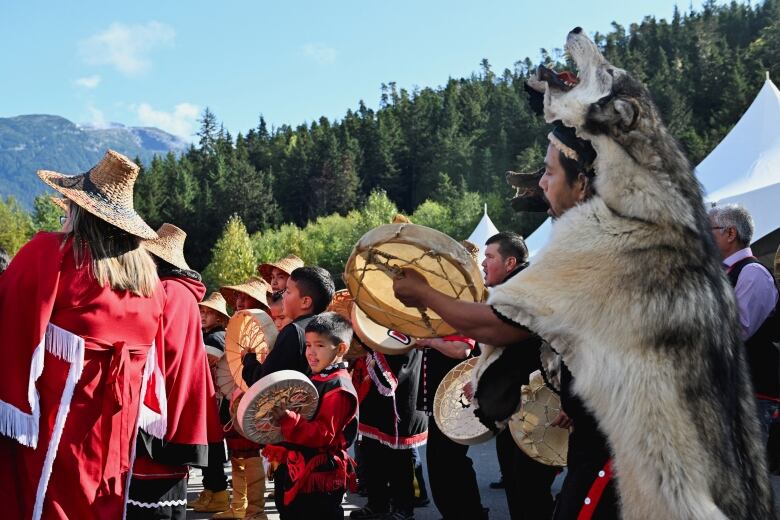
<point x="630" y="291"/>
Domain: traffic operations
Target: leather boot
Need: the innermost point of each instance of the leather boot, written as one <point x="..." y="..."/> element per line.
<point x="218" y="501"/>
<point x="237" y="507"/>
<point x="203" y="498"/>
<point x="255" y="489"/>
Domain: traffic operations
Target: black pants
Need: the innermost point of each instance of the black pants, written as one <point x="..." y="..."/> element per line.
<point x="214" y="478"/>
<point x="157" y="499"/>
<point x="527" y="483"/>
<point x="389" y="476"/>
<point x="306" y="506"/>
<point x="585" y="462"/>
<point x="451" y="477"/>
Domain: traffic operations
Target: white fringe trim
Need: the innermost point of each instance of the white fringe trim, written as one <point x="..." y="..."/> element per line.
<point x="15" y="423"/>
<point x="153" y="423"/>
<point x="23" y="427"/>
<point x="165" y="503"/>
<point x="68" y="347"/>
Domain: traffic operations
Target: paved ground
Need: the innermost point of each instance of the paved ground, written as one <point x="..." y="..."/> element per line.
<point x="484" y="457"/>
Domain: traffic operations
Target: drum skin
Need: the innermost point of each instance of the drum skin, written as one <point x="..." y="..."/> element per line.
<point x="286" y="388"/>
<point x="377" y="337"/>
<point x="452" y="410"/>
<point x="250" y="330"/>
<point x="530" y="426"/>
<point x="380" y="255"/>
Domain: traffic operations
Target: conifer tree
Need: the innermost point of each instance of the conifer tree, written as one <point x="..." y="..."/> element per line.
<point x="232" y="257"/>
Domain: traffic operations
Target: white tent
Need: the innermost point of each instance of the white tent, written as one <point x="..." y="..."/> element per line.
<point x="744" y="168"/>
<point x="484" y="230"/>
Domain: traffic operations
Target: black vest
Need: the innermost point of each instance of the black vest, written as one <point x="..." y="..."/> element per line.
<point x="762" y="354"/>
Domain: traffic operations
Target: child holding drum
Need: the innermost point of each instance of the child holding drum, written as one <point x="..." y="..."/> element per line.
<point x="314" y="468"/>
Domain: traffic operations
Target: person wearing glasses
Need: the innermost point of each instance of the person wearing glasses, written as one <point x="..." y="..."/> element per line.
<point x="757" y="297"/>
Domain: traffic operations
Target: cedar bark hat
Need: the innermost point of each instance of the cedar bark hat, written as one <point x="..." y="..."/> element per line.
<point x="255" y="287"/>
<point x="106" y="191"/>
<point x="288" y="264"/>
<point x="216" y="302"/>
<point x="169" y="246"/>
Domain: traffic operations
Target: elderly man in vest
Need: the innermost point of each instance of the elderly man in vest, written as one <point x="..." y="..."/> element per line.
<point x="754" y="286"/>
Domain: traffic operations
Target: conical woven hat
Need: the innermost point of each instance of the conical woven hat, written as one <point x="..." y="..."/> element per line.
<point x="255" y="287"/>
<point x="288" y="264"/>
<point x="169" y="246"/>
<point x="106" y="191"/>
<point x="216" y="302"/>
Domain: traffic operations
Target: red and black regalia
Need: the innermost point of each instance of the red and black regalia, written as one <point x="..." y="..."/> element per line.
<point x="159" y="485"/>
<point x="75" y="357"/>
<point x="314" y="468"/>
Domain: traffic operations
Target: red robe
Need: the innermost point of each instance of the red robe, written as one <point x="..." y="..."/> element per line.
<point x="192" y="417"/>
<point x="73" y="358"/>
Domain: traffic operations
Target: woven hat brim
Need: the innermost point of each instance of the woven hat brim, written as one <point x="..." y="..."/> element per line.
<point x="214" y="307"/>
<point x="229" y="292"/>
<point x="60" y="203"/>
<point x="265" y="270"/>
<point x="130" y="222"/>
<point x="175" y="258"/>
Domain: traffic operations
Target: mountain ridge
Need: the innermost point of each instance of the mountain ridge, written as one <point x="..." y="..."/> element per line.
<point x="30" y="142"/>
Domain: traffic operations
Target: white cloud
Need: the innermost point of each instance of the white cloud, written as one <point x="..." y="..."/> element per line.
<point x="96" y="117"/>
<point x="321" y="54"/>
<point x="180" y="122"/>
<point x="88" y="82"/>
<point x="126" y="47"/>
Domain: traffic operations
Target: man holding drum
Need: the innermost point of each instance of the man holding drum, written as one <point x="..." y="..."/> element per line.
<point x="526" y="482"/>
<point x="566" y="182"/>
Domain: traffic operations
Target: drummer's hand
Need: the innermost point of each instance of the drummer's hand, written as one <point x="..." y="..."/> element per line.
<point x="409" y="288"/>
<point x="562" y="420"/>
<point x="468" y="391"/>
<point x="423" y="343"/>
<point x="277" y="412"/>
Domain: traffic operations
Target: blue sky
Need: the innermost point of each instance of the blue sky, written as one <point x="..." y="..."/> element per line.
<point x="160" y="63"/>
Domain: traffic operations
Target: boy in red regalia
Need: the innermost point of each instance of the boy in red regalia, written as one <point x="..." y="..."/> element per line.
<point x="314" y="467"/>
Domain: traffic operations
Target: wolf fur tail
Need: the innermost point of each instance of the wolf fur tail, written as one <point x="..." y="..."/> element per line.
<point x="630" y="291"/>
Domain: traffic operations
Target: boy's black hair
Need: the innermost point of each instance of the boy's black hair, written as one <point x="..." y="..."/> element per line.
<point x="317" y="284"/>
<point x="333" y="326"/>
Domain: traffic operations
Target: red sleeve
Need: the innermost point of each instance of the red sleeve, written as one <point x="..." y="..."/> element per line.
<point x="28" y="289"/>
<point x="336" y="410"/>
<point x="462" y="339"/>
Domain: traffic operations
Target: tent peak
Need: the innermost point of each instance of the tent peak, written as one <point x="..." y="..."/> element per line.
<point x="767" y="76"/>
<point x="486" y="203"/>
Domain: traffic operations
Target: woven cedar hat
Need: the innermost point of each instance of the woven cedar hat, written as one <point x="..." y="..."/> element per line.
<point x="169" y="246"/>
<point x="60" y="203"/>
<point x="288" y="264"/>
<point x="106" y="191"/>
<point x="255" y="287"/>
<point x="216" y="302"/>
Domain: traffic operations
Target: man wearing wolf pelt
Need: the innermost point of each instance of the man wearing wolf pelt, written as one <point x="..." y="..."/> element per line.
<point x="629" y="291"/>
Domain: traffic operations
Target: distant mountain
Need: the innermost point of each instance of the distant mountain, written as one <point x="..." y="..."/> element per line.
<point x="32" y="142"/>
